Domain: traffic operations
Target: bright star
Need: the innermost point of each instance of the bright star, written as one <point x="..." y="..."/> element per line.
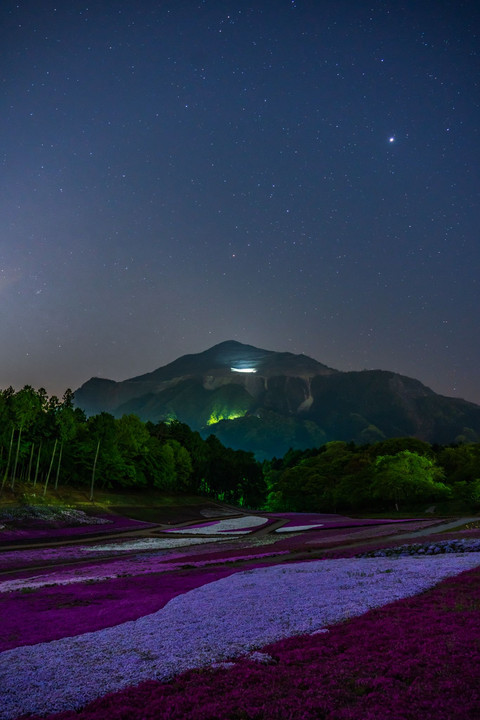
<point x="392" y="139"/>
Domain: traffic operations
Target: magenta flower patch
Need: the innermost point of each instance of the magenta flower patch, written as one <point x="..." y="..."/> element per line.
<point x="242" y="524"/>
<point x="411" y="659"/>
<point x="110" y="524"/>
<point x="173" y="638"/>
<point x="339" y="521"/>
<point x="52" y="613"/>
<point x="212" y="623"/>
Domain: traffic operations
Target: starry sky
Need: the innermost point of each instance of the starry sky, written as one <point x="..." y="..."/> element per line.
<point x="300" y="176"/>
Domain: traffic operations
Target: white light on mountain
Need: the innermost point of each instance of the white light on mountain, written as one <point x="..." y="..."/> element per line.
<point x="244" y="370"/>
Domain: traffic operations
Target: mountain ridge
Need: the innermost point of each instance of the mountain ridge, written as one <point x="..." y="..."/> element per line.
<point x="267" y="401"/>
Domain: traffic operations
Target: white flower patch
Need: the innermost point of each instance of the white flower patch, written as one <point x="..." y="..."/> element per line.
<point x="211" y="624"/>
<point x="297" y="528"/>
<point x="126" y="568"/>
<point x="260" y="657"/>
<point x="107" y="570"/>
<point x="235" y="526"/>
<point x="46" y="580"/>
<point x="150" y="544"/>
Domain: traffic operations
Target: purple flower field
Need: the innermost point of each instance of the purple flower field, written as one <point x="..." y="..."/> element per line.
<point x="377" y="665"/>
<point x="56" y="612"/>
<point x="105" y="525"/>
<point x="228" y="628"/>
<point x="305" y="520"/>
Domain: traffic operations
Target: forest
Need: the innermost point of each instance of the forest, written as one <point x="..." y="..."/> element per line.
<point x="46" y="442"/>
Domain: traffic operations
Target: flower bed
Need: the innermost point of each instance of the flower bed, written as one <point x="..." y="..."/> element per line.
<point x="229" y="553"/>
<point x="98" y="569"/>
<point x="108" y="524"/>
<point x="325" y="537"/>
<point x="142" y="544"/>
<point x="428" y="548"/>
<point x="331" y="537"/>
<point x="357" y="533"/>
<point x="31" y="557"/>
<point x="375" y="666"/>
<point x="80" y="554"/>
<point x="72" y="610"/>
<point x="91" y="630"/>
<point x="333" y="520"/>
<point x="47" y="515"/>
<point x="243" y="524"/>
<point x="337" y="551"/>
<point x="96" y="572"/>
<point x="291" y="527"/>
<point x="212" y="623"/>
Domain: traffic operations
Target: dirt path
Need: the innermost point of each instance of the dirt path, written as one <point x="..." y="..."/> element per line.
<point x="443" y="527"/>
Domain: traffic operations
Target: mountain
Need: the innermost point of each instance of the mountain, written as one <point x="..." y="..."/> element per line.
<point x="266" y="401"/>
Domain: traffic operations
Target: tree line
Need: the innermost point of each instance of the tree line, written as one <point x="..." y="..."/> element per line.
<point x="46" y="442"/>
<point x="398" y="473"/>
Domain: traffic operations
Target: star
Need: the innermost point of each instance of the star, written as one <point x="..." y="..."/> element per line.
<point x="225" y="190"/>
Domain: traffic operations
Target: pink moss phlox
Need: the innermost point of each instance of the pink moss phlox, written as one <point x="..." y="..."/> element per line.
<point x="23" y="558"/>
<point x="337" y="551"/>
<point x="340" y="521"/>
<point x="237" y="524"/>
<point x="23" y="581"/>
<point x="115" y="523"/>
<point x="108" y="563"/>
<point x="232" y="554"/>
<point x="192" y="526"/>
<point x="69" y="610"/>
<point x="411" y="659"/>
<point x="332" y="537"/>
<point x="252" y="528"/>
<point x="64" y="611"/>
<point x="212" y="623"/>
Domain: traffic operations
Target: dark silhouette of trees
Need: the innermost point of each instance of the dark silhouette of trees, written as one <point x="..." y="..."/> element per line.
<point x="43" y="437"/>
<point x="405" y="476"/>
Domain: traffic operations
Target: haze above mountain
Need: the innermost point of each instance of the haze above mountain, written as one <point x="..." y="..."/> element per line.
<point x="266" y="401"/>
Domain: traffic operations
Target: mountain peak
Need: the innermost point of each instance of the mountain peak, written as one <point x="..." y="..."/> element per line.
<point x="232" y="356"/>
<point x="267" y="401"/>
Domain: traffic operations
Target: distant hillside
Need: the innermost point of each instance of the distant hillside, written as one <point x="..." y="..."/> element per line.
<point x="266" y="401"/>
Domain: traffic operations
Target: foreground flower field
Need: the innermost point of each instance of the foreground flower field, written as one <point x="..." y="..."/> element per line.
<point x="181" y="631"/>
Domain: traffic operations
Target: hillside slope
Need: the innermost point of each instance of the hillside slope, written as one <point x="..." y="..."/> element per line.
<point x="266" y="401"/>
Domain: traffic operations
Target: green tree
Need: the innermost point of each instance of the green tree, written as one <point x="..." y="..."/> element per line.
<point x="318" y="482"/>
<point x="100" y="432"/>
<point x="132" y="438"/>
<point x="461" y="463"/>
<point x="183" y="465"/>
<point x="193" y="443"/>
<point x="474" y="494"/>
<point x="132" y="435"/>
<point x="288" y="492"/>
<point x="407" y="476"/>
<point x="26" y="408"/>
<point x="392" y="446"/>
<point x="165" y="477"/>
<point x="66" y="420"/>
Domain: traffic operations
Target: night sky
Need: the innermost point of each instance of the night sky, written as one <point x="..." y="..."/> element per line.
<point x="299" y="176"/>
